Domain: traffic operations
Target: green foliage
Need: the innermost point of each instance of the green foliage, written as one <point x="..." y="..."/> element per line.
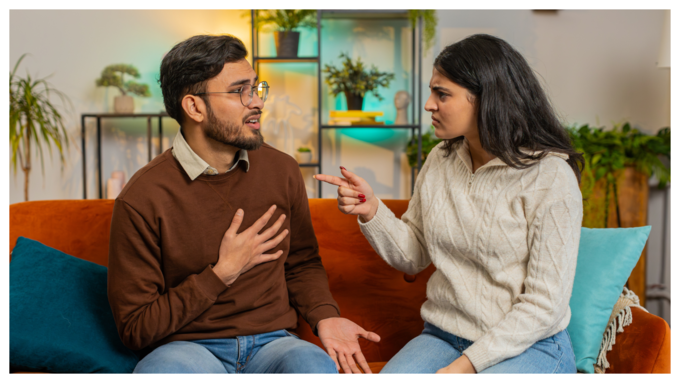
<point x="429" y="25"/>
<point x="284" y="19"/>
<point x="304" y="149"/>
<point x="33" y="119"/>
<point x="354" y="78"/>
<point x="429" y="141"/>
<point x="113" y="75"/>
<point x="608" y="152"/>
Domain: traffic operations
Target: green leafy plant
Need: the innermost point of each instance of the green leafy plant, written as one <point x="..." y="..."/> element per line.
<point x="354" y="78"/>
<point x="33" y="119"/>
<point x="304" y="149"/>
<point x="429" y="141"/>
<point x="284" y="19"/>
<point x="608" y="152"/>
<point x="113" y="75"/>
<point x="429" y="25"/>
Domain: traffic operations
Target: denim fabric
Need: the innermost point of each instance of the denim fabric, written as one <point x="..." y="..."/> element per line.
<point x="436" y="348"/>
<point x="273" y="352"/>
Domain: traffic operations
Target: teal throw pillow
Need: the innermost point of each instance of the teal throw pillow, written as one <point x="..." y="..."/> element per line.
<point x="606" y="257"/>
<point x="60" y="318"/>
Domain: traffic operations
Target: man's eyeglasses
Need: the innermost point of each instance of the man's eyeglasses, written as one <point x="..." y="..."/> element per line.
<point x="246" y="92"/>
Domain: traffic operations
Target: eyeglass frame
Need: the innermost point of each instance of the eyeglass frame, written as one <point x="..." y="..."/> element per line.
<point x="240" y="92"/>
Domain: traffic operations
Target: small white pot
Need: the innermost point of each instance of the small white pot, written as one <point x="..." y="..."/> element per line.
<point x="303" y="157"/>
<point x="124" y="104"/>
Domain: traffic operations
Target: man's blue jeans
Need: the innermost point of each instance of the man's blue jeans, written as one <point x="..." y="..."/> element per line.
<point x="273" y="352"/>
<point x="436" y="348"/>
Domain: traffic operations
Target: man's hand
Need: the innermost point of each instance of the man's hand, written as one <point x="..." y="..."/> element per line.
<point x="461" y="365"/>
<point x="241" y="252"/>
<point x="340" y="336"/>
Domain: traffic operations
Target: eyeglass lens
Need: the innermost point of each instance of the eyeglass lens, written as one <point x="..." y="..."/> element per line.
<point x="247" y="93"/>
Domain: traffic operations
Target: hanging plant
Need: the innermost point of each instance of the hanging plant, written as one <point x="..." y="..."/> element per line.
<point x="429" y="25"/>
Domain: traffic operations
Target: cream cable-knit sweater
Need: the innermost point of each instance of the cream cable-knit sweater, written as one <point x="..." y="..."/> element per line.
<point x="504" y="242"/>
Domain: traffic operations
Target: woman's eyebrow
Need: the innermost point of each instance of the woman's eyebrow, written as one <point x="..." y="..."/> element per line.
<point x="438" y="87"/>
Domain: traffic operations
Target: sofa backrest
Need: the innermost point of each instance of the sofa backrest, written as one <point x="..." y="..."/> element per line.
<point x="368" y="291"/>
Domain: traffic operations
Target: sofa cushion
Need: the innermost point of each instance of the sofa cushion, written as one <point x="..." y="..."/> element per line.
<point x="606" y="257"/>
<point x="60" y="319"/>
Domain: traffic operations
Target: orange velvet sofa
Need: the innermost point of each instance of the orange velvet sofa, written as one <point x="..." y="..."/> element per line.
<point x="369" y="292"/>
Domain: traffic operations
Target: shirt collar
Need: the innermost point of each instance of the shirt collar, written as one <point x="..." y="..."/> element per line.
<point x="463" y="153"/>
<point x="193" y="164"/>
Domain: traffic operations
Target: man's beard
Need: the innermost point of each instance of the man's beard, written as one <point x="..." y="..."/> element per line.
<point x="230" y="135"/>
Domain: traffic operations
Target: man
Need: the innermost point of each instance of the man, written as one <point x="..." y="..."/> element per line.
<point x="213" y="253"/>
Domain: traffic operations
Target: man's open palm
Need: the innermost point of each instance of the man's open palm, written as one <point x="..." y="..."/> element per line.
<point x="341" y="336"/>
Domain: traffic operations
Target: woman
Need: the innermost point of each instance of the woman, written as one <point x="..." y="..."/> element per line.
<point x="496" y="208"/>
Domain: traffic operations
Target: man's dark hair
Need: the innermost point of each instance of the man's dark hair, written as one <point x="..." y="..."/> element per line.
<point x="512" y="109"/>
<point x="190" y="64"/>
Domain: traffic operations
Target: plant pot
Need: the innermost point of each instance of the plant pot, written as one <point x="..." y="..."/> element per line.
<point x="303" y="157"/>
<point x="124" y="104"/>
<point x="354" y="101"/>
<point x="287" y="43"/>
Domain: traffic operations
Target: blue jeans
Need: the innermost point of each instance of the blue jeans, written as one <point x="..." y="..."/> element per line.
<point x="272" y="352"/>
<point x="436" y="348"/>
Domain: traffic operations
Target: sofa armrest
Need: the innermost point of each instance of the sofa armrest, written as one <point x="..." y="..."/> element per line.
<point x="643" y="347"/>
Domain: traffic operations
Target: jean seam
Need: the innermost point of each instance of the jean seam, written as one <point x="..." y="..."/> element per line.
<point x="559" y="362"/>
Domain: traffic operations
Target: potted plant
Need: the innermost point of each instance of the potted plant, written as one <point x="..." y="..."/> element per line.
<point x="429" y="25"/>
<point x="429" y="141"/>
<point x="613" y="159"/>
<point x="33" y="119"/>
<point x="113" y="75"/>
<point x="285" y="21"/>
<point x="303" y="155"/>
<point x="354" y="81"/>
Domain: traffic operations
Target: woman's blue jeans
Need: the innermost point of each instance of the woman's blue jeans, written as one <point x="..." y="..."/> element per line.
<point x="436" y="348"/>
<point x="273" y="352"/>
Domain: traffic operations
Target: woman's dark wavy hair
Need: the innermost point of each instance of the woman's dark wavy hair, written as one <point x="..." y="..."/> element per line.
<point x="512" y="109"/>
<point x="190" y="64"/>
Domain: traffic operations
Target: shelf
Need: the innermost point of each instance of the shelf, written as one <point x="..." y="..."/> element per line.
<point x="286" y="59"/>
<point x="309" y="165"/>
<point x="369" y="126"/>
<point x="364" y="14"/>
<point x="107" y="115"/>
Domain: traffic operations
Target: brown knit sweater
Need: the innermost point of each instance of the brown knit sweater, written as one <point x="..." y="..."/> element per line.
<point x="166" y="231"/>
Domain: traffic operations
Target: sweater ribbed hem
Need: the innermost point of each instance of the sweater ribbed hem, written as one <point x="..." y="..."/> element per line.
<point x="480" y="359"/>
<point x="210" y="284"/>
<point x="377" y="224"/>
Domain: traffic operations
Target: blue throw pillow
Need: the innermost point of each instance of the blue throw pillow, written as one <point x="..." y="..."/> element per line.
<point x="606" y="257"/>
<point x="60" y="318"/>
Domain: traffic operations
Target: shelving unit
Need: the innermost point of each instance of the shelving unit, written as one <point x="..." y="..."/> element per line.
<point x="352" y="14"/>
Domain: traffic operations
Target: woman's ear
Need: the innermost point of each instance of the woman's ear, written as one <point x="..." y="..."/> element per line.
<point x="194" y="107"/>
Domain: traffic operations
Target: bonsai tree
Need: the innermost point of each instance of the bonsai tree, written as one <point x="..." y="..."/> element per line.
<point x="113" y="75"/>
<point x="608" y="152"/>
<point x="33" y="119"/>
<point x="285" y="19"/>
<point x="354" y="80"/>
<point x="429" y="25"/>
<point x="304" y="149"/>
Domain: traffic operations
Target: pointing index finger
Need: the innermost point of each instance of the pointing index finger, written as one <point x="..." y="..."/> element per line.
<point x="333" y="180"/>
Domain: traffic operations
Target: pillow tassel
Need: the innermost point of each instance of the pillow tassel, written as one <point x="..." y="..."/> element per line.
<point x="624" y="318"/>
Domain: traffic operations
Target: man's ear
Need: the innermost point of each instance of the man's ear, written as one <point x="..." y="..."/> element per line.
<point x="194" y="107"/>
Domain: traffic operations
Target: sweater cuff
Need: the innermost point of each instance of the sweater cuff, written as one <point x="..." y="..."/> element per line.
<point x="479" y="357"/>
<point x="378" y="222"/>
<point x="210" y="284"/>
<point x="318" y="314"/>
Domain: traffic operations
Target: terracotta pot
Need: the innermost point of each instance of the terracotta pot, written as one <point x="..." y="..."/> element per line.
<point x="633" y="192"/>
<point x="354" y="101"/>
<point x="287" y="43"/>
<point x="124" y="104"/>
